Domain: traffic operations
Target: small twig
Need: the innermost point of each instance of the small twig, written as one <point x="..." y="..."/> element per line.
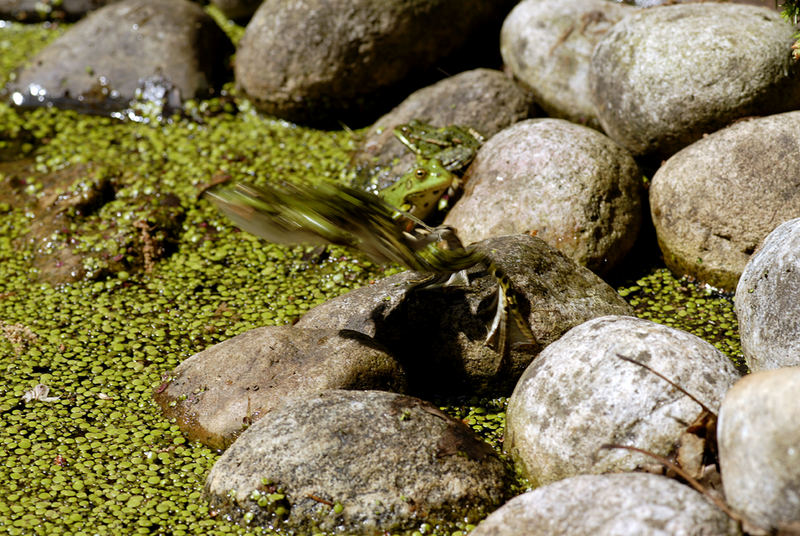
<point x="320" y="500"/>
<point x="148" y="248"/>
<point x="561" y="39"/>
<point x="676" y="386"/>
<point x="722" y="505"/>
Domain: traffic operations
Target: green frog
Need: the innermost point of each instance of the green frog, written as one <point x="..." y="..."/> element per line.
<point x="454" y="146"/>
<point x="422" y="189"/>
<point x="432" y="182"/>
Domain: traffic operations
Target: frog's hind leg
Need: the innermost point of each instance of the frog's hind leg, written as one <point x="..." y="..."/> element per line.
<point x="496" y="336"/>
<point x="434" y="281"/>
<point x="501" y="333"/>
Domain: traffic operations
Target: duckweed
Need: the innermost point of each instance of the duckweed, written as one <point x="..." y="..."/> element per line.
<point x="100" y="458"/>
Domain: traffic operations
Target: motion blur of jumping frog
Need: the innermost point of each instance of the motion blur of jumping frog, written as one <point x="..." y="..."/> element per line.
<point x="326" y="213"/>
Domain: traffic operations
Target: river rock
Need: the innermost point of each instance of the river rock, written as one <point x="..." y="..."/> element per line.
<point x="36" y="10"/>
<point x="113" y="229"/>
<point x="170" y="50"/>
<point x="215" y="394"/>
<point x="654" y="3"/>
<point x="438" y="334"/>
<point x="548" y="45"/>
<point x="357" y="462"/>
<point x="570" y="185"/>
<point x="578" y="395"/>
<point x="484" y="99"/>
<point x="768" y="301"/>
<point x="759" y="447"/>
<point x="330" y="57"/>
<point x="616" y="504"/>
<point x="713" y="202"/>
<point x="661" y="78"/>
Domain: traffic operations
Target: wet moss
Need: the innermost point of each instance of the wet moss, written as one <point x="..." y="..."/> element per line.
<point x="97" y="456"/>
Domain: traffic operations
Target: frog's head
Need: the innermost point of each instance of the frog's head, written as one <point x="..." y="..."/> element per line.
<point x="419" y="190"/>
<point x="412" y="134"/>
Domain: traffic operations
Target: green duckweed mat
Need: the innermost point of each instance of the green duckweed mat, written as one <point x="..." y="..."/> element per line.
<point x="96" y="456"/>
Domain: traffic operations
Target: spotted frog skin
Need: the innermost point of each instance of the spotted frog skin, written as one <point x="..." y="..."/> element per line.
<point x="453" y="146"/>
<point x="420" y="189"/>
<point x="442" y="152"/>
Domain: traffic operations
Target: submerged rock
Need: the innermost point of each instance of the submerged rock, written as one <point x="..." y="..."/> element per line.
<point x="663" y="77"/>
<point x="87" y="224"/>
<point x="217" y="393"/>
<point x="714" y="201"/>
<point x="571" y="186"/>
<point x="592" y="505"/>
<point x="768" y="301"/>
<point x="579" y="395"/>
<point x="439" y="334"/>
<point x="109" y="58"/>
<point x="330" y="58"/>
<point x="548" y="45"/>
<point x="358" y="462"/>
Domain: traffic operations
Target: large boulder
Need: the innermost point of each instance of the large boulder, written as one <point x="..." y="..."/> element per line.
<point x="664" y="77"/>
<point x="169" y="50"/>
<point x="606" y="505"/>
<point x="571" y="186"/>
<point x="311" y="60"/>
<point x="357" y="462"/>
<point x="579" y="395"/>
<point x="768" y="301"/>
<point x="715" y="201"/>
<point x="439" y="334"/>
<point x="759" y="434"/>
<point x="217" y="393"/>
<point x="548" y="45"/>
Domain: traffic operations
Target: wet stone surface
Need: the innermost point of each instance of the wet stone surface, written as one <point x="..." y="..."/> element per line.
<point x="173" y="43"/>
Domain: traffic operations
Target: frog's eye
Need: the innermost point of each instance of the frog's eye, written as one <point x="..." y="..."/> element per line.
<point x="420" y="173"/>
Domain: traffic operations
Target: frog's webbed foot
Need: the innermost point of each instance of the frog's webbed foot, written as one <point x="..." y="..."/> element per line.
<point x="496" y="336"/>
<point x="452" y="191"/>
<point x="434" y="281"/>
<point x="502" y="334"/>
